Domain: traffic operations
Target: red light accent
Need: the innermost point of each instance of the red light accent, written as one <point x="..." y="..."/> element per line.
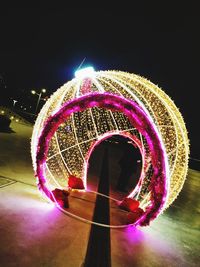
<point x="129" y="204"/>
<point x="61" y="197"/>
<point x="75" y="182"/>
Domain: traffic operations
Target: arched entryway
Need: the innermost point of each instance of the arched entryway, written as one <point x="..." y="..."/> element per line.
<point x="124" y="165"/>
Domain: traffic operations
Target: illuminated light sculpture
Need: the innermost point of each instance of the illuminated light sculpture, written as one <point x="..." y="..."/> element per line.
<point x="96" y="105"/>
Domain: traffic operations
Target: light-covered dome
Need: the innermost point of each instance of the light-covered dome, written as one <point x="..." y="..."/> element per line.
<point x="70" y="145"/>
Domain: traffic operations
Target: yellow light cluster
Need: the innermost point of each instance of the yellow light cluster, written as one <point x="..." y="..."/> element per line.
<point x="72" y="140"/>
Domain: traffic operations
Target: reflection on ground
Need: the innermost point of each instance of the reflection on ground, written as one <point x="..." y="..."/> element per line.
<point x="34" y="233"/>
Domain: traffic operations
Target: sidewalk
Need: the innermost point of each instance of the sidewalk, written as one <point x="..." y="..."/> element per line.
<point x="34" y="233"/>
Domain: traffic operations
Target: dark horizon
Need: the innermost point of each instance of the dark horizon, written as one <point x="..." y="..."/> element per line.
<point x="41" y="48"/>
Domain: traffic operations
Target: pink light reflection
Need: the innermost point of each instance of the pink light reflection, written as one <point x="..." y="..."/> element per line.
<point x="133" y="234"/>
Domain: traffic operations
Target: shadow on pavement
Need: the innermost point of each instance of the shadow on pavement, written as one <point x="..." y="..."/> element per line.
<point x="6" y="130"/>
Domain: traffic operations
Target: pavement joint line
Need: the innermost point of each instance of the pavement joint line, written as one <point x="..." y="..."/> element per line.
<point x="16" y="181"/>
<point x="7" y="184"/>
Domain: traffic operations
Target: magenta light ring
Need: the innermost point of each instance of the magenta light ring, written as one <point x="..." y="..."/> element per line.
<point x="138" y="118"/>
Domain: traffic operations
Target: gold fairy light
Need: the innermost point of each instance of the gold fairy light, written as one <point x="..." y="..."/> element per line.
<point x="70" y="144"/>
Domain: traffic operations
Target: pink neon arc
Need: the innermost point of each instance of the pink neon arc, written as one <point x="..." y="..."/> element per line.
<point x="138" y="118"/>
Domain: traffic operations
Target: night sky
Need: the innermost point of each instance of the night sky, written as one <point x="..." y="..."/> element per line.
<point x="41" y="48"/>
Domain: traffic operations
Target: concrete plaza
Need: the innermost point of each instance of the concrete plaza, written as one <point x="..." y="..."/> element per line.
<point x="34" y="233"/>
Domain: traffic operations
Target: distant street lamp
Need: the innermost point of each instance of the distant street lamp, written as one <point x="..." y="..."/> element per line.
<point x="39" y="97"/>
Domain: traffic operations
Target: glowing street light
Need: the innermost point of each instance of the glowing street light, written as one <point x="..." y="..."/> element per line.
<point x="39" y="97"/>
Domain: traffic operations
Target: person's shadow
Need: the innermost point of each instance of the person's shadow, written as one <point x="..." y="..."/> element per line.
<point x="128" y="164"/>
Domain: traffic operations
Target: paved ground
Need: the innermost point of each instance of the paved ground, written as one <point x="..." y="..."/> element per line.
<point x="34" y="233"/>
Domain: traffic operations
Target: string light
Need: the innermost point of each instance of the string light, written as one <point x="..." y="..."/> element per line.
<point x="70" y="145"/>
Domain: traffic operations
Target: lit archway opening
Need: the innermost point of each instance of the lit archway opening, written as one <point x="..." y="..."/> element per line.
<point x="135" y="143"/>
<point x="139" y="119"/>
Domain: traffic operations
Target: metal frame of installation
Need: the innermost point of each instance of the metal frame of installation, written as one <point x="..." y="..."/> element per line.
<point x="96" y="105"/>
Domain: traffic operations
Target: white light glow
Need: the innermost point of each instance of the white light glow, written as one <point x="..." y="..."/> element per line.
<point x="84" y="73"/>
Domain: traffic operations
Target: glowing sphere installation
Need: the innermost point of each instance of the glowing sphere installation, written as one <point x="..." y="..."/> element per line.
<point x="96" y="105"/>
